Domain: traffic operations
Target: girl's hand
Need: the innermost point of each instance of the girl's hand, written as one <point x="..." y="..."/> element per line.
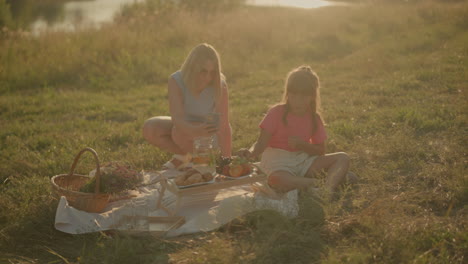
<point x="295" y="142"/>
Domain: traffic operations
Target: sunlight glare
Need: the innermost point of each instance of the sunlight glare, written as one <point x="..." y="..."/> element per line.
<point x="291" y="3"/>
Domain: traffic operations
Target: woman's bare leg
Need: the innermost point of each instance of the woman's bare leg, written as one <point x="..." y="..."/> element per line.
<point x="336" y="164"/>
<point x="158" y="132"/>
<point x="284" y="181"/>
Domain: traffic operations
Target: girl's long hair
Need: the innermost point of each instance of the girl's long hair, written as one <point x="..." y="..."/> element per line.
<point x="303" y="80"/>
<point x="193" y="65"/>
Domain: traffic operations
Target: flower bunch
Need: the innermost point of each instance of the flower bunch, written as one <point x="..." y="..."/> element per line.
<point x="115" y="178"/>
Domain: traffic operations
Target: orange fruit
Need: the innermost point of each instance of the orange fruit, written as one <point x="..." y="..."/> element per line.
<point x="236" y="170"/>
<point x="246" y="169"/>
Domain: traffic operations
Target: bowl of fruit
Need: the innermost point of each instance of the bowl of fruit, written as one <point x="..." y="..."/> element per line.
<point x="234" y="168"/>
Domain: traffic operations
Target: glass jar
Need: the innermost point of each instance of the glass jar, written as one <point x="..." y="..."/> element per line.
<point x="140" y="215"/>
<point x="203" y="149"/>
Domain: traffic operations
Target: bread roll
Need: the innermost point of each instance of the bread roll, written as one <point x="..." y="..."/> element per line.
<point x="194" y="178"/>
<point x="190" y="172"/>
<point x="180" y="179"/>
<point x="207" y="177"/>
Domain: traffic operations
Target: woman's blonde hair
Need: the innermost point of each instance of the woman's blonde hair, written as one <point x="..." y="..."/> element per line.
<point x="193" y="65"/>
<point x="303" y="80"/>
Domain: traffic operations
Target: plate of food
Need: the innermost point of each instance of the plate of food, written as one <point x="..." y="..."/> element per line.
<point x="235" y="168"/>
<point x="193" y="177"/>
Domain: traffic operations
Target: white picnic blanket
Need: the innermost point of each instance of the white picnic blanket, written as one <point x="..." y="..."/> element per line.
<point x="203" y="212"/>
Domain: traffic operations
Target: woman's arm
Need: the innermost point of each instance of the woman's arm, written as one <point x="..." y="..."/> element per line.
<point x="176" y="108"/>
<point x="225" y="132"/>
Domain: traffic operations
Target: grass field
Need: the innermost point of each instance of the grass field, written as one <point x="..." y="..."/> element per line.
<point x="394" y="96"/>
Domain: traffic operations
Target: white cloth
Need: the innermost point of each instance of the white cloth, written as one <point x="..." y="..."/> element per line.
<point x="296" y="163"/>
<point x="203" y="212"/>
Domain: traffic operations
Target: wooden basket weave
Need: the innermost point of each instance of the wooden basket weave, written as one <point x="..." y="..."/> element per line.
<point x="68" y="185"/>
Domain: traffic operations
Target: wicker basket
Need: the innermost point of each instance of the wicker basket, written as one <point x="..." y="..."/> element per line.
<point x="68" y="185"/>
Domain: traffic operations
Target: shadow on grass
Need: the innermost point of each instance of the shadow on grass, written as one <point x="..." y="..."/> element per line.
<point x="34" y="240"/>
<point x="275" y="238"/>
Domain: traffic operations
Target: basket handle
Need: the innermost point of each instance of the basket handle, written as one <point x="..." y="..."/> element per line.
<point x="98" y="171"/>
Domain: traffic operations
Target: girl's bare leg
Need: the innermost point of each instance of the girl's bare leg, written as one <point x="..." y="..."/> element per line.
<point x="284" y="181"/>
<point x="157" y="131"/>
<point x="336" y="164"/>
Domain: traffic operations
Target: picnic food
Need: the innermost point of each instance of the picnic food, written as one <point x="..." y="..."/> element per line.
<point x="235" y="167"/>
<point x="201" y="159"/>
<point x="236" y="170"/>
<point x="192" y="176"/>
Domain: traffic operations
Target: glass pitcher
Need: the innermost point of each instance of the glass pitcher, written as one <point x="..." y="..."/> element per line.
<point x="205" y="149"/>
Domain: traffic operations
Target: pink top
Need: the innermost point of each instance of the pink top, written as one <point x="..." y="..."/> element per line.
<point x="299" y="126"/>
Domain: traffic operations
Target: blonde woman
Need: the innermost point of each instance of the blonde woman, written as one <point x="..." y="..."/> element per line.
<point x="195" y="91"/>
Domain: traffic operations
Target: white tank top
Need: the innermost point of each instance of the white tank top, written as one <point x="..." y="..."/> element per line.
<point x="196" y="108"/>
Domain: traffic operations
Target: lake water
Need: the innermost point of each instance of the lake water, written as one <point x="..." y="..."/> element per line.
<point x="79" y="14"/>
<point x="72" y="15"/>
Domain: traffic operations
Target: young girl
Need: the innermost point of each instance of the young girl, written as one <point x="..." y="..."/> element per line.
<point x="292" y="138"/>
<point x="196" y="91"/>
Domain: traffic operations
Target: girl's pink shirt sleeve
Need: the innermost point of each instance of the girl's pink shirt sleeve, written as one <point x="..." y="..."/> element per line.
<point x="271" y="119"/>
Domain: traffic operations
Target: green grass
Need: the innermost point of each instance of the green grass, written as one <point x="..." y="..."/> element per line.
<point x="394" y="79"/>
